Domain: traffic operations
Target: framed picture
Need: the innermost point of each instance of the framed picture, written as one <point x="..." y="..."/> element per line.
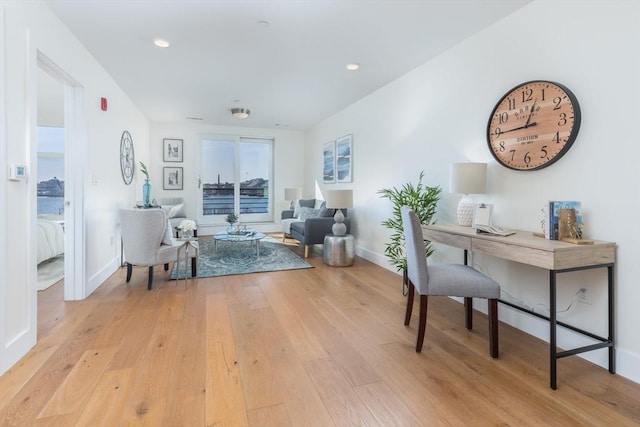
<point x="328" y="162"/>
<point x="172" y="150"/>
<point x="344" y="159"/>
<point x="172" y="179"/>
<point x="482" y="215"/>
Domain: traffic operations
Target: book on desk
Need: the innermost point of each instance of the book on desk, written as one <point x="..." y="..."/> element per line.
<point x="493" y="230"/>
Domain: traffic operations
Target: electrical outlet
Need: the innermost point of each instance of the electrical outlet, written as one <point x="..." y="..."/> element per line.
<point x="584" y="297"/>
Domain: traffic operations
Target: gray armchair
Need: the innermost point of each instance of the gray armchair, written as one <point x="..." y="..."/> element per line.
<point x="444" y="279"/>
<point x="148" y="240"/>
<point x="311" y="231"/>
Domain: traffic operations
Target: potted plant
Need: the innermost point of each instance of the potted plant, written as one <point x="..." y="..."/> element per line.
<point x="423" y="200"/>
<point x="231" y="219"/>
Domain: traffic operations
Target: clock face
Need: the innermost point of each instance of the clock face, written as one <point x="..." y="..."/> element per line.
<point x="127" y="157"/>
<point x="533" y="125"/>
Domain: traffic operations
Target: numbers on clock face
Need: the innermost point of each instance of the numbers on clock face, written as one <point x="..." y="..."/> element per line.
<point x="533" y="125"/>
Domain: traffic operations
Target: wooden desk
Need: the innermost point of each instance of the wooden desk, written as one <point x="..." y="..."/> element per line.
<point x="553" y="255"/>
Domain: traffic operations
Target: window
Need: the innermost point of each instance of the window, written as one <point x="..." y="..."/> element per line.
<point x="236" y="178"/>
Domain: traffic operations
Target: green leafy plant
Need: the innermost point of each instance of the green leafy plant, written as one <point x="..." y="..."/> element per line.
<point x="423" y="200"/>
<point x="232" y="218"/>
<point x="143" y="169"/>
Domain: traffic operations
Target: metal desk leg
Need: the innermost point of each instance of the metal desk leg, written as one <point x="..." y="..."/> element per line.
<point x="612" y="350"/>
<point x="552" y="330"/>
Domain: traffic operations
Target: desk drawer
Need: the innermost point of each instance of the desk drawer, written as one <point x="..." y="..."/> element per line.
<point x="455" y="240"/>
<point x="525" y="255"/>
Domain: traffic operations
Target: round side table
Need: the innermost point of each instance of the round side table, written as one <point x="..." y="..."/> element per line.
<point x="339" y="251"/>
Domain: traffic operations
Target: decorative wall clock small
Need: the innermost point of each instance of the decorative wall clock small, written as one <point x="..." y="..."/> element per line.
<point x="127" y="157"/>
<point x="533" y="125"/>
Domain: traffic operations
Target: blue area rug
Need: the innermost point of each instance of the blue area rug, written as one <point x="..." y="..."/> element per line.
<point x="240" y="258"/>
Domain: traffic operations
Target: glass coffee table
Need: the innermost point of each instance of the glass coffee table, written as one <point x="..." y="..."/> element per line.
<point x="248" y="235"/>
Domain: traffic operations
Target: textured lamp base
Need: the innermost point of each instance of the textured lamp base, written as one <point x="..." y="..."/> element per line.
<point x="338" y="228"/>
<point x="465" y="212"/>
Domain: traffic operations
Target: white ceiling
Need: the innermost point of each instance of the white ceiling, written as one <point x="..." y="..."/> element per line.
<point x="291" y="72"/>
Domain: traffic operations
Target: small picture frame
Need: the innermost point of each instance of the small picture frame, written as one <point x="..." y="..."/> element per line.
<point x="172" y="150"/>
<point x="482" y="215"/>
<point x="172" y="178"/>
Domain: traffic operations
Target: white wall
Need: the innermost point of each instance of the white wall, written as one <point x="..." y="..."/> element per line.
<point x="288" y="164"/>
<point x="28" y="28"/>
<point x="437" y="115"/>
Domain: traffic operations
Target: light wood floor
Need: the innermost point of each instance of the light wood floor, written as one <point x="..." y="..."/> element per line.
<point x="318" y="347"/>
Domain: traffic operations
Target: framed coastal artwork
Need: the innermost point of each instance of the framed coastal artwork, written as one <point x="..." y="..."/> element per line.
<point x="344" y="159"/>
<point x="172" y="150"/>
<point x="329" y="162"/>
<point x="172" y="179"/>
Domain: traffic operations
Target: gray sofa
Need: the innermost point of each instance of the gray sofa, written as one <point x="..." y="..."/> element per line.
<point x="311" y="231"/>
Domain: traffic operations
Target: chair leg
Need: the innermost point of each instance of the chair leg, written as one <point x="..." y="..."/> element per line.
<point x="194" y="267"/>
<point x="410" y="293"/>
<point x="129" y="271"/>
<point x="150" y="281"/>
<point x="284" y="236"/>
<point x="423" y="322"/>
<point x="493" y="327"/>
<point x="166" y="267"/>
<point x="468" y="312"/>
<point x="306" y="251"/>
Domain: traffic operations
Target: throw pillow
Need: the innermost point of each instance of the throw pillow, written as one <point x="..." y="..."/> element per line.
<point x="307" y="212"/>
<point x="168" y="239"/>
<point x="175" y="211"/>
<point x="324" y="212"/>
<point x="308" y="203"/>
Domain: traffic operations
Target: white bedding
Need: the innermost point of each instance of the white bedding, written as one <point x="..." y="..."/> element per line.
<point x="50" y="240"/>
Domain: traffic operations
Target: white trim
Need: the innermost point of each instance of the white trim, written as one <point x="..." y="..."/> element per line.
<point x="5" y="361"/>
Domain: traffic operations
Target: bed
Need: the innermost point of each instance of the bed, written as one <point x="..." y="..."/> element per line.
<point x="50" y="239"/>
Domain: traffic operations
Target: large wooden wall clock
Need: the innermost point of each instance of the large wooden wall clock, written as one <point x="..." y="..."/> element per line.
<point x="127" y="157"/>
<point x="533" y="125"/>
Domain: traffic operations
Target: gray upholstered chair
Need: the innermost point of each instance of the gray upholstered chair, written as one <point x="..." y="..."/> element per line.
<point x="457" y="280"/>
<point x="147" y="238"/>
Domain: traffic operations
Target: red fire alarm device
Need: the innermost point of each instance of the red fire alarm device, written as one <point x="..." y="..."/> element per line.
<point x="103" y="104"/>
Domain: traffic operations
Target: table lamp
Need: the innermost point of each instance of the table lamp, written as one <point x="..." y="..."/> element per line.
<point x="467" y="178"/>
<point x="292" y="194"/>
<point x="339" y="199"/>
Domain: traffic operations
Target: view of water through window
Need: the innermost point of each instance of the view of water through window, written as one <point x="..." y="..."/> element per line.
<point x="50" y="171"/>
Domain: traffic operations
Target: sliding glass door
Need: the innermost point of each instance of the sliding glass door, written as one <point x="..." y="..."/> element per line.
<point x="236" y="178"/>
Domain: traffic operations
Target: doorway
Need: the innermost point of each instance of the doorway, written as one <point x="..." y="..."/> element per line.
<point x="65" y="105"/>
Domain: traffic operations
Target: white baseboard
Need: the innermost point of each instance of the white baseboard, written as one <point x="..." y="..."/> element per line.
<point x="101" y="276"/>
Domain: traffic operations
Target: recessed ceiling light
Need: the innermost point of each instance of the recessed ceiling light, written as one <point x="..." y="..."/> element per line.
<point x="240" y="113"/>
<point x="353" y="67"/>
<point x="161" y="43"/>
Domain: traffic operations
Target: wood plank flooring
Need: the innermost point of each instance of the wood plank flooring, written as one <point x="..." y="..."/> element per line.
<point x="315" y="347"/>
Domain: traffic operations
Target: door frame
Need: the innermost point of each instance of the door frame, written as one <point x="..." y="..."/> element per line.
<point x="74" y="160"/>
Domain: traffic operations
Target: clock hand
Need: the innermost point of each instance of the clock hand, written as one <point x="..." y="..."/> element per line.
<point x="526" y="125"/>
<point x="500" y="132"/>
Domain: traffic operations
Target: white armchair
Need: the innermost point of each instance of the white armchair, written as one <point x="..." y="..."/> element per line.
<point x="147" y="238"/>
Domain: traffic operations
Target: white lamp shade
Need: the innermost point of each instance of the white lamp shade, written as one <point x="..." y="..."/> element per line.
<point x="292" y="193"/>
<point x="468" y="178"/>
<point x="339" y="199"/>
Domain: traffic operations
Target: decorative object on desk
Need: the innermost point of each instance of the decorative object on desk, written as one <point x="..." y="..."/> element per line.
<point x="424" y="201"/>
<point x="553" y="208"/>
<point x="173" y="179"/>
<point x="569" y="229"/>
<point x="329" y="162"/>
<point x="146" y="187"/>
<point x="292" y="194"/>
<point x="338" y="200"/>
<point x="172" y="150"/>
<point x="344" y="159"/>
<point x="187" y="227"/>
<point x="467" y="178"/>
<point x="533" y="125"/>
<point x="482" y="215"/>
<point x="127" y="157"/>
<point x="238" y="259"/>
